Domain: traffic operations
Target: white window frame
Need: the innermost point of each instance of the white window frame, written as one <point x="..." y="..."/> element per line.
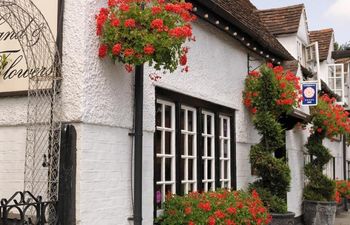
<point x="206" y="158"/>
<point x="312" y="61"/>
<point x="189" y="185"/>
<point x="334" y="78"/>
<point x="163" y="182"/>
<point x="225" y="181"/>
<point x="178" y="182"/>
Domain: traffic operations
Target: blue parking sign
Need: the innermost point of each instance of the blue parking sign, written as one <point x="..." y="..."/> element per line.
<point x="310" y="94"/>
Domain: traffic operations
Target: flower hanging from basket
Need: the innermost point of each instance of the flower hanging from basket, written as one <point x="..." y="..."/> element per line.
<point x="139" y="31"/>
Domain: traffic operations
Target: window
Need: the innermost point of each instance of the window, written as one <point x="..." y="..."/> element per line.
<point x="313" y="60"/>
<point x="189" y="148"/>
<point x="330" y="169"/>
<point x="348" y="170"/>
<point x="165" y="148"/>
<point x="225" y="155"/>
<point x="336" y="79"/>
<point x="301" y="52"/>
<point x="208" y="157"/>
<point x="194" y="146"/>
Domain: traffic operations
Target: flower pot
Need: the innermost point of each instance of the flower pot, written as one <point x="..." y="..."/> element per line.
<point x="316" y="212"/>
<point x="282" y="219"/>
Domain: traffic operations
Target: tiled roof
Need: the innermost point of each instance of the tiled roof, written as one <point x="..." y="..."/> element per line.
<point x="285" y="20"/>
<point x="243" y="15"/>
<point x="323" y="37"/>
<point x="341" y="54"/>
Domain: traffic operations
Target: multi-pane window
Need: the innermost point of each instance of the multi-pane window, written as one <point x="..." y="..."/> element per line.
<point x="208" y="157"/>
<point x="194" y="146"/>
<point x="330" y="169"/>
<point x="336" y="79"/>
<point x="189" y="148"/>
<point x="165" y="149"/>
<point x="225" y="152"/>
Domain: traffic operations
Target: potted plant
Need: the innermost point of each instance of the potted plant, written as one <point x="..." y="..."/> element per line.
<point x="138" y="31"/>
<point x="328" y="120"/>
<point x="268" y="94"/>
<point x="342" y="194"/>
<point x="220" y="207"/>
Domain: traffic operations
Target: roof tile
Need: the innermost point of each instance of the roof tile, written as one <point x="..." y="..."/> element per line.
<point x="323" y="37"/>
<point x="283" y="20"/>
<point x="245" y="16"/>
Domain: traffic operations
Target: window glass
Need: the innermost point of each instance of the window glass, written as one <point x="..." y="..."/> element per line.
<point x="182" y="147"/>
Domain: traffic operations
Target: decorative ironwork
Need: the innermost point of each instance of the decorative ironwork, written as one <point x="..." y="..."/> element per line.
<point x="44" y="102"/>
<point x="25" y="209"/>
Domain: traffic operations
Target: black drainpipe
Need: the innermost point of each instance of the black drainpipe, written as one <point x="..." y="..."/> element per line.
<point x="344" y="167"/>
<point x="138" y="145"/>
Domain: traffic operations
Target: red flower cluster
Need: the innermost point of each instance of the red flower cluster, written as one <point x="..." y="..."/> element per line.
<point x="288" y="87"/>
<point x="343" y="190"/>
<point x="213" y="208"/>
<point x="330" y="118"/>
<point x="161" y="28"/>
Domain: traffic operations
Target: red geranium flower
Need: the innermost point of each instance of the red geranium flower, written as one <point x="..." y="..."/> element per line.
<point x="183" y="60"/>
<point x="117" y="48"/>
<point x="102" y="51"/>
<point x="130" y="23"/>
<point x="129" y="52"/>
<point x="149" y="49"/>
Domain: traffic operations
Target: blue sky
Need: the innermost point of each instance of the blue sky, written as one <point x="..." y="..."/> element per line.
<point x="321" y="14"/>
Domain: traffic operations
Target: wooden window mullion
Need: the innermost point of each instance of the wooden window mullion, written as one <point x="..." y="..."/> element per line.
<point x="199" y="150"/>
<point x="217" y="151"/>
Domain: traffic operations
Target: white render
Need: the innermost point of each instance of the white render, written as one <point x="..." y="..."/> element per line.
<point x="98" y="98"/>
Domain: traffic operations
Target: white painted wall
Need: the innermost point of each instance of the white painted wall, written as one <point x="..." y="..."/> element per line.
<point x="99" y="95"/>
<point x="303" y="32"/>
<point x="295" y="141"/>
<point x="289" y="42"/>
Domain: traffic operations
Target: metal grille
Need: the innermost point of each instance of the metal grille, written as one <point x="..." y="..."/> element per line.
<point x="44" y="109"/>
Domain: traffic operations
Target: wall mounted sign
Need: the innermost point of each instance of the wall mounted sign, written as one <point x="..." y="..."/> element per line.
<point x="310" y="93"/>
<point x="14" y="77"/>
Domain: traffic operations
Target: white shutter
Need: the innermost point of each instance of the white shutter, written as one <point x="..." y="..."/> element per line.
<point x="335" y="80"/>
<point x="313" y="61"/>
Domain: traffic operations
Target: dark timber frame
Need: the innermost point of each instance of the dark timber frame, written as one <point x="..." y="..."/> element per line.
<point x="182" y="99"/>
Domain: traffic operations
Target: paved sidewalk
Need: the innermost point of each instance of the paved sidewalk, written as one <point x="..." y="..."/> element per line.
<point x="343" y="219"/>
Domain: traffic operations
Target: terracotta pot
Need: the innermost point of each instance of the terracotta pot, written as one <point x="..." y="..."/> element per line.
<point x="282" y="219"/>
<point x="316" y="213"/>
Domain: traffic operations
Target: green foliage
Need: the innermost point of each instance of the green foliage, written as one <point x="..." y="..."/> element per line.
<point x="274" y="174"/>
<point x="220" y="207"/>
<point x="274" y="203"/>
<point x="319" y="186"/>
<point x="136" y="32"/>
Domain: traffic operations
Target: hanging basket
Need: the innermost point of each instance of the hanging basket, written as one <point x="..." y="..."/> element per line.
<point x="146" y="31"/>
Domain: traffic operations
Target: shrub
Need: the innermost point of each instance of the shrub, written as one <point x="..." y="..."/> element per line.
<point x="328" y="120"/>
<point x="268" y="94"/>
<point x="139" y="31"/>
<point x="221" y="207"/>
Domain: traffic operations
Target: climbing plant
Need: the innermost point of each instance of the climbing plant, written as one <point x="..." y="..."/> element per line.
<point x="328" y="121"/>
<point x="268" y="94"/>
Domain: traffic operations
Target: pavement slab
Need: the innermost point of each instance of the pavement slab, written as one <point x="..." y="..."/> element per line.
<point x="343" y="219"/>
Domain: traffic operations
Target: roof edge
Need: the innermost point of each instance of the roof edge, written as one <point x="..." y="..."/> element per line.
<point x="215" y="9"/>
